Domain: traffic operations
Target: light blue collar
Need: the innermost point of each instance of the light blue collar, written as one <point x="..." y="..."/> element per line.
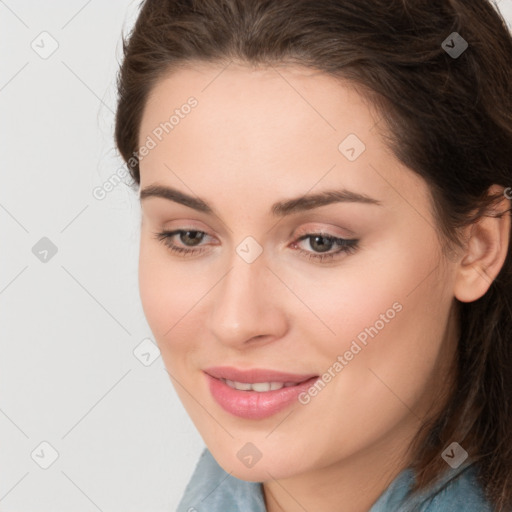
<point x="211" y="489"/>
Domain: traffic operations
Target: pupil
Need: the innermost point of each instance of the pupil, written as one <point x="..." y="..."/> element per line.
<point x="194" y="238"/>
<point x="321" y="247"/>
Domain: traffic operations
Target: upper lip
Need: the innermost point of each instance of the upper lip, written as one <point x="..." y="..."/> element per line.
<point x="254" y="375"/>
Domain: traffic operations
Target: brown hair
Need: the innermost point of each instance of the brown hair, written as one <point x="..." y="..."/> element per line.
<point x="449" y="119"/>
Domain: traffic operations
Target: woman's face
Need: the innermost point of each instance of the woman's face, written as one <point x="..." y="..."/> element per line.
<point x="371" y="322"/>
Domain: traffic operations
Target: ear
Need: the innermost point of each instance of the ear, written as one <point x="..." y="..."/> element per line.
<point x="486" y="249"/>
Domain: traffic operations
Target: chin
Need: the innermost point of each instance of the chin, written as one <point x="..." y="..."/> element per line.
<point x="263" y="469"/>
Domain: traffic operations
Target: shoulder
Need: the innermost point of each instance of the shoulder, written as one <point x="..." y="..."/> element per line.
<point x="455" y="491"/>
<point x="460" y="491"/>
<point x="211" y="489"/>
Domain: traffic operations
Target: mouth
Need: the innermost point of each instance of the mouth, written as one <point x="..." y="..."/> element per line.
<point x="256" y="393"/>
<point x="259" y="387"/>
<point x="256" y="376"/>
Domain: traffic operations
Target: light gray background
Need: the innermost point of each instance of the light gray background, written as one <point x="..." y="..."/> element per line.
<point x="69" y="325"/>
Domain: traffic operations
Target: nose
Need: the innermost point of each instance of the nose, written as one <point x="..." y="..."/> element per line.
<point x="248" y="305"/>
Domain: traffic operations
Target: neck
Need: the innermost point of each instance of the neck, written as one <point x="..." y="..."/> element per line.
<point x="356" y="482"/>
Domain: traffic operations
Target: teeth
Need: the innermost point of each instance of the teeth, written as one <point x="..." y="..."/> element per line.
<point x="241" y="386"/>
<point x="260" y="387"/>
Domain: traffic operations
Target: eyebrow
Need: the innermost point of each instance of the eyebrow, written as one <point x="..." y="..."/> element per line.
<point x="278" y="209"/>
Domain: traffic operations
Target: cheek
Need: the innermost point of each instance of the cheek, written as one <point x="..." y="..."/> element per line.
<point x="152" y="285"/>
<point x="165" y="292"/>
<point x="390" y="331"/>
<point x="388" y="311"/>
<point x="367" y="290"/>
<point x="172" y="298"/>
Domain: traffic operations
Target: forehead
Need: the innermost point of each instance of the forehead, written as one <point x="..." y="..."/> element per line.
<point x="281" y="126"/>
<point x="261" y="100"/>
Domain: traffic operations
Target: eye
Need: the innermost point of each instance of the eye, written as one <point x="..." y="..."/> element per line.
<point x="187" y="236"/>
<point x="323" y="243"/>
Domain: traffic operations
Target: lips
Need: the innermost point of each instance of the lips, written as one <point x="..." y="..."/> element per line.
<point x="255" y="375"/>
<point x="252" y="404"/>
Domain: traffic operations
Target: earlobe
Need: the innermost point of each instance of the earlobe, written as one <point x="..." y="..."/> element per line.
<point x="486" y="250"/>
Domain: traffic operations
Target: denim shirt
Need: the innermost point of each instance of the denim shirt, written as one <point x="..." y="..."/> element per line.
<point x="211" y="489"/>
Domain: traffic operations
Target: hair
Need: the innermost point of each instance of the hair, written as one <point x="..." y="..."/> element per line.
<point x="449" y="119"/>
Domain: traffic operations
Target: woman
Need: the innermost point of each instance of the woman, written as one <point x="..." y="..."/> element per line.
<point x="325" y="246"/>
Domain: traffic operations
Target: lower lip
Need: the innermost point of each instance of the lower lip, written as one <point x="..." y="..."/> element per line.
<point x="254" y="405"/>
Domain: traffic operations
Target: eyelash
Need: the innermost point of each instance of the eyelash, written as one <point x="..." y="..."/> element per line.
<point x="346" y="245"/>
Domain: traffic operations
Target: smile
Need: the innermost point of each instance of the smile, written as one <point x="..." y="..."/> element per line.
<point x="249" y="395"/>
<point x="260" y="387"/>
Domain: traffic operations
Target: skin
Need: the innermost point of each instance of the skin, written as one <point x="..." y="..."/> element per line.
<point x="261" y="135"/>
